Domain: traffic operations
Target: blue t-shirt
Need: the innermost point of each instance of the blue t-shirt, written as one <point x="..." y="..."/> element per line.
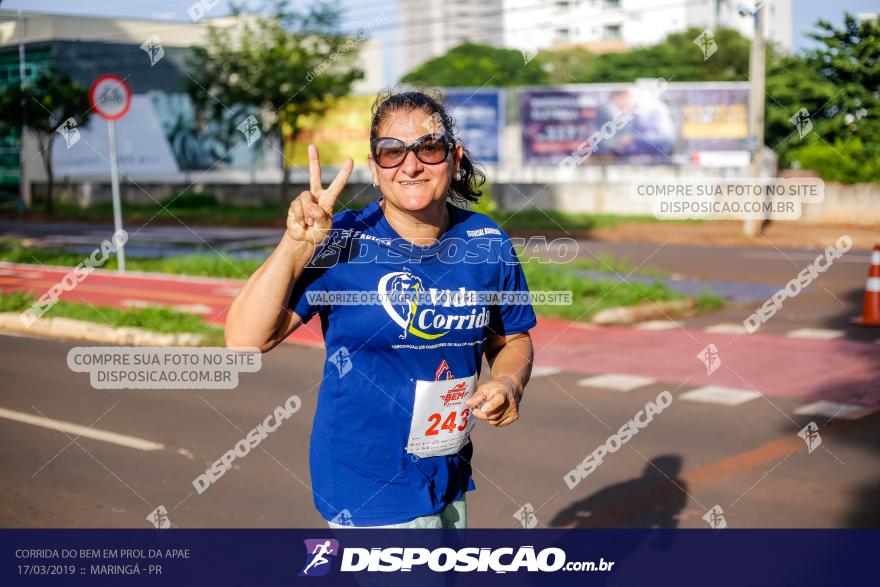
<point x="377" y="352"/>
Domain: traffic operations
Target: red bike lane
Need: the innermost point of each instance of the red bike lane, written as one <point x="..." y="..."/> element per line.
<point x="837" y="370"/>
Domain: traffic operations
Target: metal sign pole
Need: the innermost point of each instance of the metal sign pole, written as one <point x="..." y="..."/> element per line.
<point x="114" y="181"/>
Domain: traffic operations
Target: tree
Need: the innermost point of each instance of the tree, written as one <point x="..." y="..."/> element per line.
<point x="792" y="84"/>
<point x="678" y="59"/>
<point x="473" y="65"/>
<point x="47" y="103"/>
<point x="567" y="66"/>
<point x="836" y="84"/>
<point x="283" y="65"/>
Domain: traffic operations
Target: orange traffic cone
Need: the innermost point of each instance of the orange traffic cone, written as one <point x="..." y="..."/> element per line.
<point x="871" y="309"/>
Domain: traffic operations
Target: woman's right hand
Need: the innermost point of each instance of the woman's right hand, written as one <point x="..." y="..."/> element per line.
<point x="310" y="216"/>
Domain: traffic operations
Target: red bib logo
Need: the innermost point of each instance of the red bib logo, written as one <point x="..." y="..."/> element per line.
<point x="455" y="394"/>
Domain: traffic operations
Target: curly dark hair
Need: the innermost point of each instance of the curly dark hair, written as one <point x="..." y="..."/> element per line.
<point x="464" y="188"/>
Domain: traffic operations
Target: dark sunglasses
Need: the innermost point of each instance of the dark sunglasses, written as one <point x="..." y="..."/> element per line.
<point x="390" y="152"/>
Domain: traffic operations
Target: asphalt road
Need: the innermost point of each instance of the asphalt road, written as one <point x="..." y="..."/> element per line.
<point x="829" y="302"/>
<point x="746" y="458"/>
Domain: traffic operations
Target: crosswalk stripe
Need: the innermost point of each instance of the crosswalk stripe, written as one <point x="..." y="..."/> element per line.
<point x="815" y="333"/>
<point x="544" y="371"/>
<point x="717" y="394"/>
<point x="616" y="381"/>
<point x="77" y="430"/>
<point x="659" y="325"/>
<point x="830" y="410"/>
<point x="726" y="328"/>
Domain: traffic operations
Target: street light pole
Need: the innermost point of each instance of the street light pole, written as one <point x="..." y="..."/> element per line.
<point x="756" y="103"/>
<point x="23" y="186"/>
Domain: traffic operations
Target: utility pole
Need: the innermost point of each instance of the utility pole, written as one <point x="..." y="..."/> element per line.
<point x="23" y="185"/>
<point x="756" y="103"/>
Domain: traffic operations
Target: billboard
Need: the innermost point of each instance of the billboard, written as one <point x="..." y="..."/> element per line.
<point x="160" y="136"/>
<point x="342" y="132"/>
<point x="479" y="118"/>
<point x="643" y="123"/>
<point x="680" y="123"/>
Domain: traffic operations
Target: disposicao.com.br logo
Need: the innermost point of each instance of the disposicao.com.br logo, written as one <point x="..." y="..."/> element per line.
<point x="321" y="553"/>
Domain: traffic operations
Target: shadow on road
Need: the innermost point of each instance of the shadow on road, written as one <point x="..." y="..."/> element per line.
<point x="863" y="388"/>
<point x="653" y="500"/>
<point x="864" y="510"/>
<point x="852" y="303"/>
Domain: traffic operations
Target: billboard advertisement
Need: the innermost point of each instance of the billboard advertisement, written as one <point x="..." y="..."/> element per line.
<point x="342" y="132"/>
<point x="479" y="117"/>
<point x="649" y="122"/>
<point x="162" y="135"/>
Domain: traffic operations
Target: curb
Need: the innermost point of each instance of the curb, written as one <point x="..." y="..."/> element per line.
<point x="70" y="329"/>
<point x="155" y="275"/>
<point x="624" y="315"/>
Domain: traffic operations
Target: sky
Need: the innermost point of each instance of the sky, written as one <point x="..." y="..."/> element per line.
<point x="358" y="12"/>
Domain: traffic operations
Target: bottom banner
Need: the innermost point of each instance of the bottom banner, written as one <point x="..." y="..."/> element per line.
<point x="438" y="557"/>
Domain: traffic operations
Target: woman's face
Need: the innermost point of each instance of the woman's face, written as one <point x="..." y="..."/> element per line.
<point x="414" y="185"/>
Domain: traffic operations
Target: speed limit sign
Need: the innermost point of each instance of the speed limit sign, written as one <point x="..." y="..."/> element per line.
<point x="110" y="97"/>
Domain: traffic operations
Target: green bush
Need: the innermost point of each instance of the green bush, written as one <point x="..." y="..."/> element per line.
<point x="846" y="161"/>
<point x="486" y="205"/>
<point x="190" y="200"/>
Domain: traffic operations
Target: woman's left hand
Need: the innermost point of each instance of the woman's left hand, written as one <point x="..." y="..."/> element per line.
<point x="500" y="399"/>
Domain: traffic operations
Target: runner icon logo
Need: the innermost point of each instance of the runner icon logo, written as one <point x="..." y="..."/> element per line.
<point x="810" y="435"/>
<point x="715" y="518"/>
<point x="710" y="357"/>
<point x="320" y="554"/>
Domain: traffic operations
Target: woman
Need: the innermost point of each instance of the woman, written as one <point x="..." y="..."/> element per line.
<point x="390" y="444"/>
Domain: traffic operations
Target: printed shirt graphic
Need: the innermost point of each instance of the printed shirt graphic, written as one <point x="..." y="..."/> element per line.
<point x="358" y="456"/>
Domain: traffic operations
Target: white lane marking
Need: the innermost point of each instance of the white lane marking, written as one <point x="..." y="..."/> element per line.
<point x="831" y="410"/>
<point x="21" y="274"/>
<point x="717" y="394"/>
<point x="93" y="433"/>
<point x="815" y="333"/>
<point x="726" y="328"/>
<point x="230" y="291"/>
<point x="802" y="256"/>
<point x="543" y="371"/>
<point x="659" y="325"/>
<point x="617" y="381"/>
<point x="186" y="308"/>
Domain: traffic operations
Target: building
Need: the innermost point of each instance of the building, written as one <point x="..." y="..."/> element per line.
<point x="618" y="25"/>
<point x="430" y="28"/>
<point x="86" y="47"/>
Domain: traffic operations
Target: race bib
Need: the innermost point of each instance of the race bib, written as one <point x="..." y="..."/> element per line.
<point x="441" y="422"/>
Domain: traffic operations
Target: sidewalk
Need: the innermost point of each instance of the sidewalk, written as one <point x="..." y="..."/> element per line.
<point x="778" y="234"/>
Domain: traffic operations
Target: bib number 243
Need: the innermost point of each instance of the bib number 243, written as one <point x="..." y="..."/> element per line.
<point x="441" y="421"/>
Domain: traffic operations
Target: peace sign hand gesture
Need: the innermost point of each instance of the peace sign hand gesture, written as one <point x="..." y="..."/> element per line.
<point x="310" y="216"/>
